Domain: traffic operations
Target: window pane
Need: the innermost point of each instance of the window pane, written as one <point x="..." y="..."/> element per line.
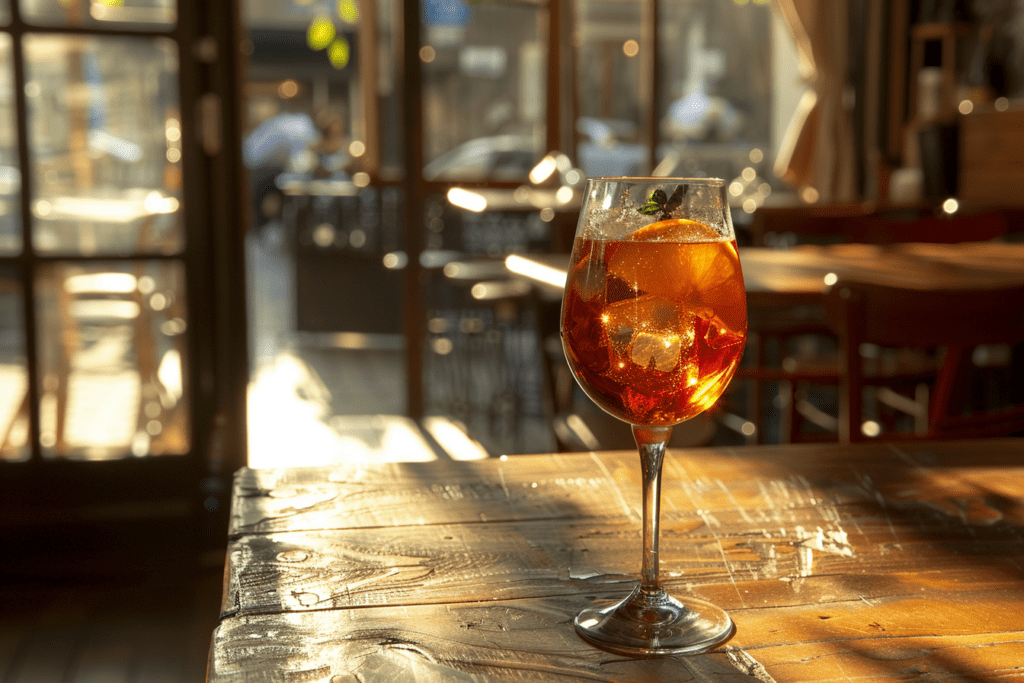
<point x="114" y="330"/>
<point x="10" y="175"/>
<point x="105" y="137"/>
<point x="483" y="90"/>
<point x="389" y="89"/>
<point x="13" y="371"/>
<point x="608" y="71"/>
<point x="715" y="111"/>
<point x="5" y="12"/>
<point x="122" y="14"/>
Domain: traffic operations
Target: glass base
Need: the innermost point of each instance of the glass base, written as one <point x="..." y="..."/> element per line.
<point x="654" y="625"/>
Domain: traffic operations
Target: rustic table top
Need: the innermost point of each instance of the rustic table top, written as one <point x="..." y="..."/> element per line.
<point x="797" y="275"/>
<point x="872" y="562"/>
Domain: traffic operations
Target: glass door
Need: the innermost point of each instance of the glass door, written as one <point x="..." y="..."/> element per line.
<point x="121" y="287"/>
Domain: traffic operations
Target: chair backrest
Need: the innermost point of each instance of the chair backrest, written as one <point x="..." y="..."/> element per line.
<point x="866" y="223"/>
<point x="955" y="320"/>
<point x="894" y="316"/>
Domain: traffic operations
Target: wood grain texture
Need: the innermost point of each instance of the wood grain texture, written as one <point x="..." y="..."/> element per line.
<point x="868" y="562"/>
<point x="796" y="275"/>
<point x="501" y="640"/>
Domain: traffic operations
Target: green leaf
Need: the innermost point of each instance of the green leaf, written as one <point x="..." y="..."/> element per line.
<point x="676" y="199"/>
<point x="655" y="204"/>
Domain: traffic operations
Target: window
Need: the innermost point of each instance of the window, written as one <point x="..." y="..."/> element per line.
<point x="477" y="93"/>
<point x="118" y="255"/>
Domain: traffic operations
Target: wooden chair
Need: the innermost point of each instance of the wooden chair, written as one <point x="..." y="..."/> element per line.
<point x="952" y="324"/>
<point x="867" y="223"/>
<point x="772" y="333"/>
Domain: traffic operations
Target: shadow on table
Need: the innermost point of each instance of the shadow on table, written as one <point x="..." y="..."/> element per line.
<point x="475" y="568"/>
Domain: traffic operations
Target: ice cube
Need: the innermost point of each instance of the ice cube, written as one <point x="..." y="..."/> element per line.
<point x="646" y="313"/>
<point x="657" y="351"/>
<point x="649" y="331"/>
<point x="591" y="276"/>
<point x="718" y="334"/>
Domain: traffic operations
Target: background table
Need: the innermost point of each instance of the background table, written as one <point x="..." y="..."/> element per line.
<point x="797" y="275"/>
<point x="871" y="562"/>
<point x="786" y="292"/>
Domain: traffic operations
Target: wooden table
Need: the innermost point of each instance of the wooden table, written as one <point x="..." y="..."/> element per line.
<point x="798" y="275"/>
<point x="871" y="562"/>
<point x="786" y="288"/>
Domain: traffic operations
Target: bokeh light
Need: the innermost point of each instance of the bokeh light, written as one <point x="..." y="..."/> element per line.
<point x="348" y="10"/>
<point x="338" y="53"/>
<point x="321" y="33"/>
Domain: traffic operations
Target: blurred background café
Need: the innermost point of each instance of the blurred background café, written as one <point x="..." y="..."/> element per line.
<point x="300" y="232"/>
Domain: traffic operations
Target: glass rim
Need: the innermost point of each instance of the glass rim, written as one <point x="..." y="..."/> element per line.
<point x="658" y="179"/>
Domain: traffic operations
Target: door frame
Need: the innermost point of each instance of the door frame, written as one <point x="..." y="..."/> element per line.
<point x="190" y="490"/>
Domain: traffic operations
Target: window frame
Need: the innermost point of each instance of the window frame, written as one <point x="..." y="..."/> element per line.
<point x="208" y="36"/>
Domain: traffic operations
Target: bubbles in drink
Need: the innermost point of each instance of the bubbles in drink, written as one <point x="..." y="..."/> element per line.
<point x="679" y="230"/>
<point x="614" y="224"/>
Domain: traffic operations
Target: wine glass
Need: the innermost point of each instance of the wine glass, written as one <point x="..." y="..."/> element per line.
<point x="654" y="322"/>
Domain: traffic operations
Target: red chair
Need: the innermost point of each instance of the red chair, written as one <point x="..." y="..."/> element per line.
<point x="951" y="326"/>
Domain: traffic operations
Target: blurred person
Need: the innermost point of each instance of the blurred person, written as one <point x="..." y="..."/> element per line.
<point x="333" y="158"/>
<point x="285" y="146"/>
<point x="278" y="145"/>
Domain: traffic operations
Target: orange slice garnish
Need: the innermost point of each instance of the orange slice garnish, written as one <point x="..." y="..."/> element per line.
<point x="675" y="230"/>
<point x="702" y="276"/>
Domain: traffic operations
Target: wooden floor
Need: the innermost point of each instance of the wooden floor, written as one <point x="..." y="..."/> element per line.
<point x="145" y="629"/>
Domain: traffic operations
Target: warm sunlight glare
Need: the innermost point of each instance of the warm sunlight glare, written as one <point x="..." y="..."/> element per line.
<point x="290" y="425"/>
<point x="536" y="271"/>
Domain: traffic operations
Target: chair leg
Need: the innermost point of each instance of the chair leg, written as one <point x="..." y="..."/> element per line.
<point x="851" y="398"/>
<point x="949" y="382"/>
<point x="753" y="387"/>
<point x="789" y="419"/>
<point x="921" y="416"/>
<point x="5" y="436"/>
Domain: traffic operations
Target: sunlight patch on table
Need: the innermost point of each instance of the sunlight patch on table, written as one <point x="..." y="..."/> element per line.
<point x="291" y="424"/>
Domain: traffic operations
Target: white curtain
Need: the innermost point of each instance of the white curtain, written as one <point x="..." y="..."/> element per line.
<point x="817" y="150"/>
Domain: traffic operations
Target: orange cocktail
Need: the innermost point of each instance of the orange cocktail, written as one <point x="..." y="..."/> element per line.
<point x="654" y="325"/>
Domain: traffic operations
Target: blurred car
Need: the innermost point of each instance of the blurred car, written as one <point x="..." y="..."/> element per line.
<point x="616" y="159"/>
<point x="603" y="150"/>
<point x="511" y="157"/>
<point x="497" y="157"/>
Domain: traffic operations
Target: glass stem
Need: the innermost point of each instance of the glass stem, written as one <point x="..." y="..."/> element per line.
<point x="651" y="443"/>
